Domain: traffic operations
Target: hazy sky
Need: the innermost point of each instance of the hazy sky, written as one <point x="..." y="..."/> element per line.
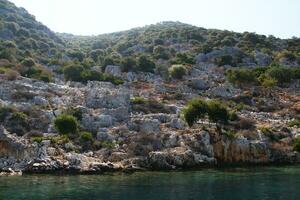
<point x="280" y="18"/>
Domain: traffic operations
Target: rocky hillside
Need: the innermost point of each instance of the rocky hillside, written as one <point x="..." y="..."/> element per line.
<point x="164" y="96"/>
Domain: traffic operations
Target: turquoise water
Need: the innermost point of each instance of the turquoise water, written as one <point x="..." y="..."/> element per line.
<point x="255" y="183"/>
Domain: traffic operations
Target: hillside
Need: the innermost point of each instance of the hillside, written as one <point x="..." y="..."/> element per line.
<point x="163" y="96"/>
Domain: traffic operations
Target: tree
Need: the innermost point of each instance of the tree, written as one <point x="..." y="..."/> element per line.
<point x="217" y="112"/>
<point x="73" y="72"/>
<point x="160" y="52"/>
<point x="128" y="64"/>
<point x="194" y="110"/>
<point x="145" y="64"/>
<point x="28" y="62"/>
<point x="197" y="109"/>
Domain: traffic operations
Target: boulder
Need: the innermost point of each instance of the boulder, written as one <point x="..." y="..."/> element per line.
<point x="199" y="84"/>
<point x="103" y="135"/>
<point x="177" y="123"/>
<point x="104" y="95"/>
<point x="40" y="101"/>
<point x="113" y="70"/>
<point x="145" y="125"/>
<point x="262" y="59"/>
<point x="105" y="121"/>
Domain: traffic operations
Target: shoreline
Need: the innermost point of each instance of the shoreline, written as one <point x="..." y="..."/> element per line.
<point x="226" y="167"/>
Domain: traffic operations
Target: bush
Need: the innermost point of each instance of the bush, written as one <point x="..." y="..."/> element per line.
<point x="194" y="110"/>
<point x="76" y="112"/>
<point x="240" y="76"/>
<point x="177" y="71"/>
<point x="184" y="58"/>
<point x="147" y="106"/>
<point x="217" y="112"/>
<point x="160" y="52"/>
<point x="85" y="136"/>
<point x="280" y="74"/>
<point x="296" y="145"/>
<point x="28" y="62"/>
<point x="197" y="108"/>
<point x="18" y="123"/>
<point x="224" y="60"/>
<point x="90" y="75"/>
<point x="73" y="72"/>
<point x="128" y="64"/>
<point x="145" y="64"/>
<point x="138" y="100"/>
<point x="66" y="124"/>
<point x="295" y="122"/>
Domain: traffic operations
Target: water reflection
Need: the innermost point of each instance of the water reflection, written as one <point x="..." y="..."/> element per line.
<point x="255" y="183"/>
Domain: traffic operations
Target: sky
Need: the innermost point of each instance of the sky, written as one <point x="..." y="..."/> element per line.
<point x="280" y="18"/>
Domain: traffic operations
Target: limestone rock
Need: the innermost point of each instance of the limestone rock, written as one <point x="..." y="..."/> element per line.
<point x="113" y="70"/>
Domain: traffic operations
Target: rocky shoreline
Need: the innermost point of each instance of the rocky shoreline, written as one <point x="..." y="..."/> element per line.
<point x="134" y="137"/>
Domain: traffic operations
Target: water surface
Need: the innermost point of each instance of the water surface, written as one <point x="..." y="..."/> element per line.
<point x="255" y="183"/>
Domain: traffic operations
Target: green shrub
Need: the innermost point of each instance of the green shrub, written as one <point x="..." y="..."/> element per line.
<point x="296" y="73"/>
<point x="195" y="110"/>
<point x="229" y="134"/>
<point x="5" y="111"/>
<point x="144" y="64"/>
<point x="267" y="81"/>
<point x="266" y="76"/>
<point x="37" y="139"/>
<point x="28" y="62"/>
<point x="128" y="64"/>
<point x="76" y="112"/>
<point x="160" y="52"/>
<point x="66" y="124"/>
<point x="138" y="100"/>
<point x="241" y="76"/>
<point x="73" y="72"/>
<point x="217" y="112"/>
<point x="177" y="71"/>
<point x="184" y="58"/>
<point x="296" y="144"/>
<point x="18" y="123"/>
<point x="265" y="130"/>
<point x="85" y="136"/>
<point x="112" y="79"/>
<point x="140" y="104"/>
<point x="295" y="122"/>
<point x="224" y="60"/>
<point x="280" y="74"/>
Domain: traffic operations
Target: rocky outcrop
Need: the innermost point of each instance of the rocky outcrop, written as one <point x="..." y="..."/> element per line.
<point x="113" y="70"/>
<point x="106" y="95"/>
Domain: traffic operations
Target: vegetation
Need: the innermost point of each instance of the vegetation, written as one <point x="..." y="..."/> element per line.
<point x="14" y="120"/>
<point x="85" y="136"/>
<point x="198" y="108"/>
<point x="295" y="122"/>
<point x="66" y="124"/>
<point x="79" y="74"/>
<point x="297" y="145"/>
<point x="146" y="106"/>
<point x="177" y="71"/>
<point x="195" y="110"/>
<point x="265" y="76"/>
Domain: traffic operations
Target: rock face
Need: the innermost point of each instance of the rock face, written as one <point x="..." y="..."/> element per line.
<point x="105" y="95"/>
<point x="145" y="125"/>
<point x="113" y="70"/>
<point x="16" y="153"/>
<point x="241" y="150"/>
